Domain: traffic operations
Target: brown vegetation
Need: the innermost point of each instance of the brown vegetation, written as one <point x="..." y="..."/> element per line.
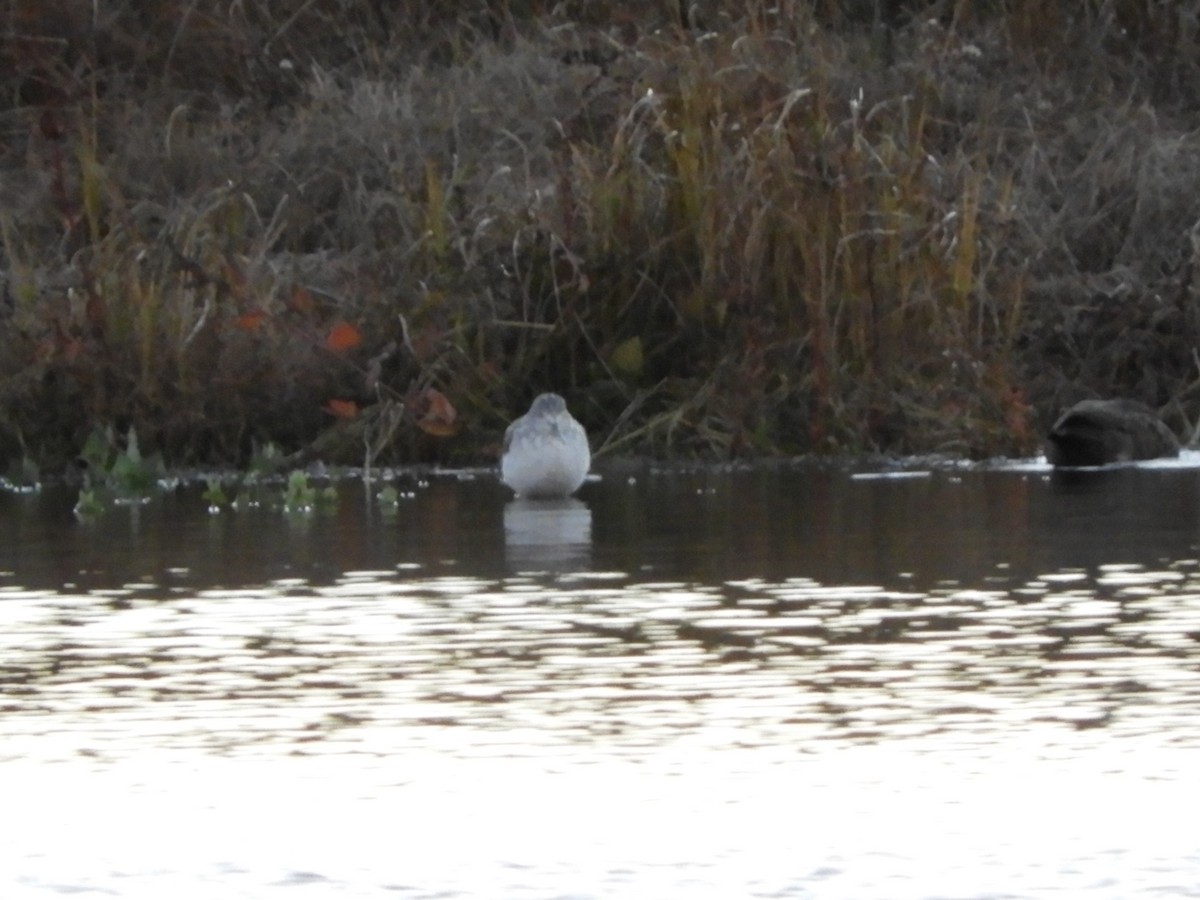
<point x="717" y="228"/>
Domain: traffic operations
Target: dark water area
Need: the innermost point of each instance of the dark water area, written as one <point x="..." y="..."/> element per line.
<point x="914" y="529"/>
<point x="779" y="680"/>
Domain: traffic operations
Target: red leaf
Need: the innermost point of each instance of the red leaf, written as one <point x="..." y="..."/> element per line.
<point x="441" y="418"/>
<point x="342" y="409"/>
<point x="251" y="321"/>
<point x="343" y="336"/>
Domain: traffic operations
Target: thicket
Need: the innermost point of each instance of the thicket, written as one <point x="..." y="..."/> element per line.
<point x="374" y="230"/>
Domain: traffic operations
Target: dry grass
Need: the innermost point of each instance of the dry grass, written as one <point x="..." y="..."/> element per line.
<point x="783" y="228"/>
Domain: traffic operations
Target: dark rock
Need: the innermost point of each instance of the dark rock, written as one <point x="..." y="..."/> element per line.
<point x="1099" y="432"/>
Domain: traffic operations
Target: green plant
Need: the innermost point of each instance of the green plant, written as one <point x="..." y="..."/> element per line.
<point x="214" y="494"/>
<point x="299" y="495"/>
<point x="117" y="470"/>
<point x="90" y="504"/>
<point x="23" y="475"/>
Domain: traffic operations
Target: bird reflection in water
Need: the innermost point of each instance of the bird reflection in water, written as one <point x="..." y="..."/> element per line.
<point x="548" y="535"/>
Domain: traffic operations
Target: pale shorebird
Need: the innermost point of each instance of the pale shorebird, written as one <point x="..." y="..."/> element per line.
<point x="1099" y="432"/>
<point x="545" y="451"/>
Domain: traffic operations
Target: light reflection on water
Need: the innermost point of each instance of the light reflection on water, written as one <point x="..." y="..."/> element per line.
<point x="768" y="682"/>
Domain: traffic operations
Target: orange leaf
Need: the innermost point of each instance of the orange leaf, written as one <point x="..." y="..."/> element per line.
<point x="343" y="336"/>
<point x="342" y="409"/>
<point x="440" y="417"/>
<point x="251" y="321"/>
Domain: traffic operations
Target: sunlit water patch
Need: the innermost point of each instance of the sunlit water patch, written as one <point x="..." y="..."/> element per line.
<point x="1187" y="459"/>
<point x="282" y="669"/>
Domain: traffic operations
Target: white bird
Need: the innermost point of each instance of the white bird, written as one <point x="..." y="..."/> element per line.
<point x="545" y="451"/>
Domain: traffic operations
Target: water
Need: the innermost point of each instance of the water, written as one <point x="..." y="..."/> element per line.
<point x="779" y="681"/>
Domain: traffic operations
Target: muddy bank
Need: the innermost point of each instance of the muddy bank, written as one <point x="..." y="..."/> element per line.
<point x="353" y="230"/>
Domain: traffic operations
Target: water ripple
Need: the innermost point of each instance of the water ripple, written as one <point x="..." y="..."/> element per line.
<point x="603" y="665"/>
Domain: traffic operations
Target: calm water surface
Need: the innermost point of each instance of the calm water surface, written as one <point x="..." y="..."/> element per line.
<point x="779" y="681"/>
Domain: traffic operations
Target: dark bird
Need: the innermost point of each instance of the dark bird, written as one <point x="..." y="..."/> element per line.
<point x="1099" y="432"/>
